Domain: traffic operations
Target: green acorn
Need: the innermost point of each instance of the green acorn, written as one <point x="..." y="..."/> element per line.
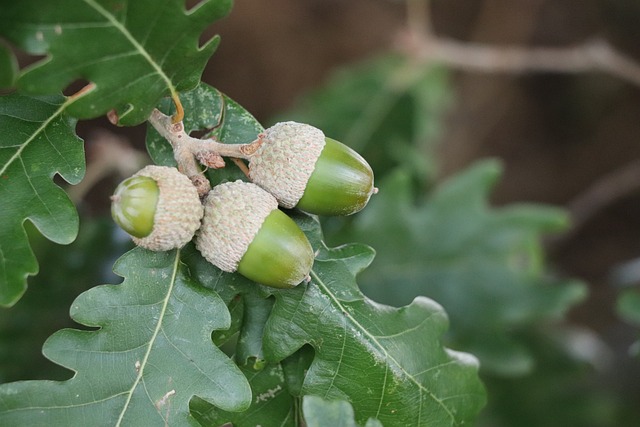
<point x="243" y="230"/>
<point x="159" y="207"/>
<point x="302" y="168"/>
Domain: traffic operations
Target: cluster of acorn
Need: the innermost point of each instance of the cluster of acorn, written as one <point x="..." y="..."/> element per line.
<point x="238" y="225"/>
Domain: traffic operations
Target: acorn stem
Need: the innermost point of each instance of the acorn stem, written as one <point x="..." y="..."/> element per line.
<point x="201" y="148"/>
<point x="187" y="149"/>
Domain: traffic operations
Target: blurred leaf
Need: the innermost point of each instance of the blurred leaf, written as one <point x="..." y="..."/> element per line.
<point x="151" y="353"/>
<point x="134" y="52"/>
<point x="559" y="391"/>
<point x="271" y="404"/>
<point x="338" y="413"/>
<point x="8" y="67"/>
<point x="410" y="378"/>
<point x="485" y="266"/>
<point x="389" y="109"/>
<point x="38" y="140"/>
<point x="629" y="306"/>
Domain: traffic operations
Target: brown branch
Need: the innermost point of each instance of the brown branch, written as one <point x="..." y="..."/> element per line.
<point x="594" y="55"/>
<point x="175" y="134"/>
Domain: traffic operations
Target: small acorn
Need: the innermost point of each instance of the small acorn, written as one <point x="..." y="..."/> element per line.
<point x="159" y="207"/>
<point x="243" y="230"/>
<point x="302" y="168"/>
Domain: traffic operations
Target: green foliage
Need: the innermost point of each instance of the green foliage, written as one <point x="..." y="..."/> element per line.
<point x="109" y="42"/>
<point x="180" y="342"/>
<point x="38" y="141"/>
<point x="151" y="353"/>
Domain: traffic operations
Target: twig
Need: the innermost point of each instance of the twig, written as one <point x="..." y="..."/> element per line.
<point x="175" y="134"/>
<point x="209" y="152"/>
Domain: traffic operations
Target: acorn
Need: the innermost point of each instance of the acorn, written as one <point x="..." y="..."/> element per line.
<point x="304" y="169"/>
<point x="158" y="207"/>
<point x="243" y="230"/>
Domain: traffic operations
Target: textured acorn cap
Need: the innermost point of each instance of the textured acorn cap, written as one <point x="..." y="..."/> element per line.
<point x="178" y="212"/>
<point x="286" y="159"/>
<point x="234" y="213"/>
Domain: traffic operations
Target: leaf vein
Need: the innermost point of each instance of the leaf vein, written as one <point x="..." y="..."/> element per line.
<point x="340" y="359"/>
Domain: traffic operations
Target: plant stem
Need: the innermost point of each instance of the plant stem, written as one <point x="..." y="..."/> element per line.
<point x="175" y="134"/>
<point x="186" y="149"/>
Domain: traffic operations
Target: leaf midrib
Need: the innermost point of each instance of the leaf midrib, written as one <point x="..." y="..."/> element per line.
<point x="35" y="134"/>
<point x="155" y="334"/>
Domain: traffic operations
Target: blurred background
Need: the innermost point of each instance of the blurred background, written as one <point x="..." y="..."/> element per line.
<point x="535" y="254"/>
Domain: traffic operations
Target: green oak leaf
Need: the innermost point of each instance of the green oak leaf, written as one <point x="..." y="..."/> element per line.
<point x="338" y="413"/>
<point x="388" y="362"/>
<point x="484" y="265"/>
<point x="37" y="141"/>
<point x="133" y="52"/>
<point x="150" y="355"/>
<point x="271" y="404"/>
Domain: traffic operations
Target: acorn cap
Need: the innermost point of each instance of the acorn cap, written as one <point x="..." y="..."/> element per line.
<point x="284" y="162"/>
<point x="178" y="212"/>
<point x="234" y="213"/>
